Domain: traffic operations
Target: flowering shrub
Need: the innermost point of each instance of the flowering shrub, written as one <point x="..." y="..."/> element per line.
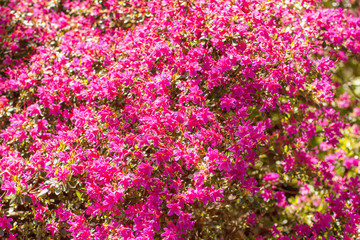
<point x="179" y="119"/>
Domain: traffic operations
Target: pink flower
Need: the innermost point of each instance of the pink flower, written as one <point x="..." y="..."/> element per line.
<point x="170" y="233"/>
<point x="356" y="129"/>
<point x="4" y="102"/>
<point x="251" y="219"/>
<point x="266" y="195"/>
<point x="9" y="187"/>
<point x="174" y="209"/>
<point x="145" y="170"/>
<point x="351" y="162"/>
<point x="271" y="177"/>
<point x="34" y="109"/>
<point x="356" y="111"/>
<point x="185" y="223"/>
<point x="344" y="100"/>
<point x="5" y="222"/>
<point x="324" y="64"/>
<point x="304" y="190"/>
<point x="227" y="103"/>
<point x="52" y="227"/>
<point x="12" y="236"/>
<point x="281" y="199"/>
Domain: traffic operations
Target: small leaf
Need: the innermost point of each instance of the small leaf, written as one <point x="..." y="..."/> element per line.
<point x="43" y="192"/>
<point x="79" y="194"/>
<point x="22" y="200"/>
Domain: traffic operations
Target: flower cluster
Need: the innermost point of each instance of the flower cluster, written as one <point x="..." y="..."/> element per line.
<point x="176" y="119"/>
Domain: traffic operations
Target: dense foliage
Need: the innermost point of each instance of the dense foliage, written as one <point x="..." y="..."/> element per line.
<point x="179" y="119"/>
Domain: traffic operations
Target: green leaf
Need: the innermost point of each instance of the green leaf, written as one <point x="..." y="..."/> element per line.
<point x="79" y="194"/>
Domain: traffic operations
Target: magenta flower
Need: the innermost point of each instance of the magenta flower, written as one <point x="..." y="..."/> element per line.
<point x="251" y="219"/>
<point x="344" y="100"/>
<point x="52" y="227"/>
<point x="271" y="177"/>
<point x="174" y="209"/>
<point x="351" y="162"/>
<point x="5" y="222"/>
<point x="266" y="195"/>
<point x="4" y="102"/>
<point x="9" y="187"/>
<point x="34" y="109"/>
<point x="145" y="170"/>
<point x="228" y="103"/>
<point x="169" y="233"/>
